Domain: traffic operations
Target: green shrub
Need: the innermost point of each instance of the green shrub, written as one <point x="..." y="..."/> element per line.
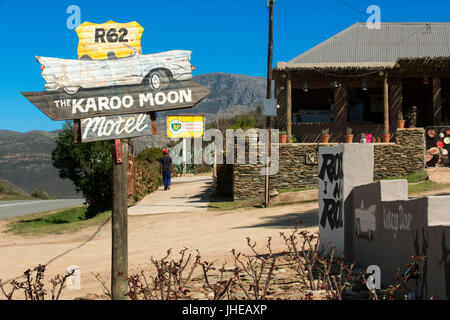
<point x="41" y="194"/>
<point x="88" y="166"/>
<point x="150" y="155"/>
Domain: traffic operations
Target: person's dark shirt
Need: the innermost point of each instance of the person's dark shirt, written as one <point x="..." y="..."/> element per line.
<point x="166" y="162"/>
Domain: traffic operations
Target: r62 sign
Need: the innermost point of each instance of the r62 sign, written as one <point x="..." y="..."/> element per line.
<point x="111" y="35"/>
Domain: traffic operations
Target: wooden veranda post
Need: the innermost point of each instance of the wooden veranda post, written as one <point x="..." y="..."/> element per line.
<point x="289" y="108"/>
<point x="386" y="103"/>
<point x="119" y="256"/>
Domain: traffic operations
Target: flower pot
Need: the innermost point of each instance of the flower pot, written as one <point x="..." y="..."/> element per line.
<point x="400" y="124"/>
<point x="325" y="138"/>
<point x="386" y="137"/>
<point x="349" y="138"/>
<point x="283" y="138"/>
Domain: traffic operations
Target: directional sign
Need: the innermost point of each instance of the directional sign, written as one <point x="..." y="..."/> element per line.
<point x="100" y="41"/>
<point x="115" y="127"/>
<point x="60" y="105"/>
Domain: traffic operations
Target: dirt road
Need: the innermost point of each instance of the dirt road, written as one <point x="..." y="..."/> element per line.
<point x="214" y="233"/>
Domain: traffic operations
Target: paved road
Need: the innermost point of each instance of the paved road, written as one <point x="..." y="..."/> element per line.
<point x="16" y="208"/>
<point x="186" y="194"/>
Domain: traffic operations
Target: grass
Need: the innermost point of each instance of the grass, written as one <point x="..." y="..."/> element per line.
<point x="7" y="192"/>
<point x="412" y="178"/>
<point x="68" y="220"/>
<point x="297" y="189"/>
<point x="228" y="204"/>
<point x="8" y="197"/>
<point x="426" y="186"/>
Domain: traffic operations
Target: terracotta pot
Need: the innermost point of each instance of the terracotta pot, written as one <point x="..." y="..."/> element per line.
<point x="400" y="124"/>
<point x="349" y="138"/>
<point x="386" y="137"/>
<point x="283" y="138"/>
<point x="325" y="138"/>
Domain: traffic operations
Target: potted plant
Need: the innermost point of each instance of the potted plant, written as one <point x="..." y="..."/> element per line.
<point x="349" y="136"/>
<point x="325" y="135"/>
<point x="400" y="120"/>
<point x="283" y="137"/>
<point x="386" y="136"/>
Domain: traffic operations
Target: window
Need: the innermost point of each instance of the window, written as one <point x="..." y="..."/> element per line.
<point x="365" y="105"/>
<point x="312" y="106"/>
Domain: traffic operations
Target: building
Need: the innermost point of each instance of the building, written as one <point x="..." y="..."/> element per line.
<point x="361" y="78"/>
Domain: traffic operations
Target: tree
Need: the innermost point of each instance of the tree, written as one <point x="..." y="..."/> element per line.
<point x="88" y="166"/>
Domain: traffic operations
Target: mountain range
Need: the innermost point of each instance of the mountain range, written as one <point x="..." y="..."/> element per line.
<point x="25" y="158"/>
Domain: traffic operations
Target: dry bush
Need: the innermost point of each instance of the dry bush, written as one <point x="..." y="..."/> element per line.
<point x="168" y="281"/>
<point x="33" y="287"/>
<point x="316" y="270"/>
<point x="258" y="268"/>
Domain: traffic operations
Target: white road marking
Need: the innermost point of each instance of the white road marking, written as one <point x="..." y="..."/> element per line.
<point x="25" y="203"/>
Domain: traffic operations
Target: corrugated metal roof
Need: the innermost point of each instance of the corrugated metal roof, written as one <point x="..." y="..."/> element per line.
<point x="360" y="45"/>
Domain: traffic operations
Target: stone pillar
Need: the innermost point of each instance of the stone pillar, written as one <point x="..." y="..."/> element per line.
<point x="437" y="103"/>
<point x="341" y="168"/>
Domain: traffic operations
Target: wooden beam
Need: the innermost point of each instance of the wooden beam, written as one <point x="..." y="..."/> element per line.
<point x="289" y="109"/>
<point x="437" y="101"/>
<point x="386" y="103"/>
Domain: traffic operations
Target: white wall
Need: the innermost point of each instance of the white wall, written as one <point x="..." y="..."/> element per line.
<point x="341" y="168"/>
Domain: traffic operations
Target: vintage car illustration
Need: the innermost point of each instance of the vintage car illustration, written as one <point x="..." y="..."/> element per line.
<point x="365" y="222"/>
<point x="155" y="70"/>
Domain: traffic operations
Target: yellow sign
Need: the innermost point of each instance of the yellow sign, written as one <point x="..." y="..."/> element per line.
<point x="185" y="126"/>
<point x="109" y="39"/>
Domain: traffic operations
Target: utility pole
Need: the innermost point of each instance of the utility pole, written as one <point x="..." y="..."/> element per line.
<point x="270" y="4"/>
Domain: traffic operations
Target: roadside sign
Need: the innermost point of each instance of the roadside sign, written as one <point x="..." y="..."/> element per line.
<point x="269" y="107"/>
<point x="100" y="41"/>
<point x="115" y="89"/>
<point x="185" y="126"/>
<point x="116" y="100"/>
<point x="117" y="127"/>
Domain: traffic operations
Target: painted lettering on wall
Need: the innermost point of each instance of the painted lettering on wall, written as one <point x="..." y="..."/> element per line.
<point x="331" y="176"/>
<point x="396" y="221"/>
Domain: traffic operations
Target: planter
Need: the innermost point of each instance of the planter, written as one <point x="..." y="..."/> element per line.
<point x="349" y="138"/>
<point x="400" y="124"/>
<point x="325" y="138"/>
<point x="386" y="137"/>
<point x="283" y="138"/>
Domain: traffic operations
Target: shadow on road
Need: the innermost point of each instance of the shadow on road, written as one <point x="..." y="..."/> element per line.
<point x="310" y="219"/>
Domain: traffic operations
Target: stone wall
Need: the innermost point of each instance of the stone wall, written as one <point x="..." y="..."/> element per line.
<point x="405" y="156"/>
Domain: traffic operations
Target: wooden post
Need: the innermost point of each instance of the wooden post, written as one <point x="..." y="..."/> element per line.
<point x="119" y="257"/>
<point x="437" y="101"/>
<point x="386" y="103"/>
<point x="269" y="96"/>
<point x="289" y="109"/>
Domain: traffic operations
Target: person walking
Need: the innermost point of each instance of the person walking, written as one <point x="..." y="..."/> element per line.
<point x="166" y="168"/>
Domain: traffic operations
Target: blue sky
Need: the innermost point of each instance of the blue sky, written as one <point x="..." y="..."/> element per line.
<point x="225" y="36"/>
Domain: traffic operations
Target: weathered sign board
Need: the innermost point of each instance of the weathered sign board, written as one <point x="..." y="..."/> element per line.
<point x="116" y="100"/>
<point x="98" y="41"/>
<point x="115" y="127"/>
<point x="185" y="126"/>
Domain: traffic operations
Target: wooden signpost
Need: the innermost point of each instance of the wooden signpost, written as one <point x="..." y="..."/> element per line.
<point x="116" y="100"/>
<point x="112" y="93"/>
